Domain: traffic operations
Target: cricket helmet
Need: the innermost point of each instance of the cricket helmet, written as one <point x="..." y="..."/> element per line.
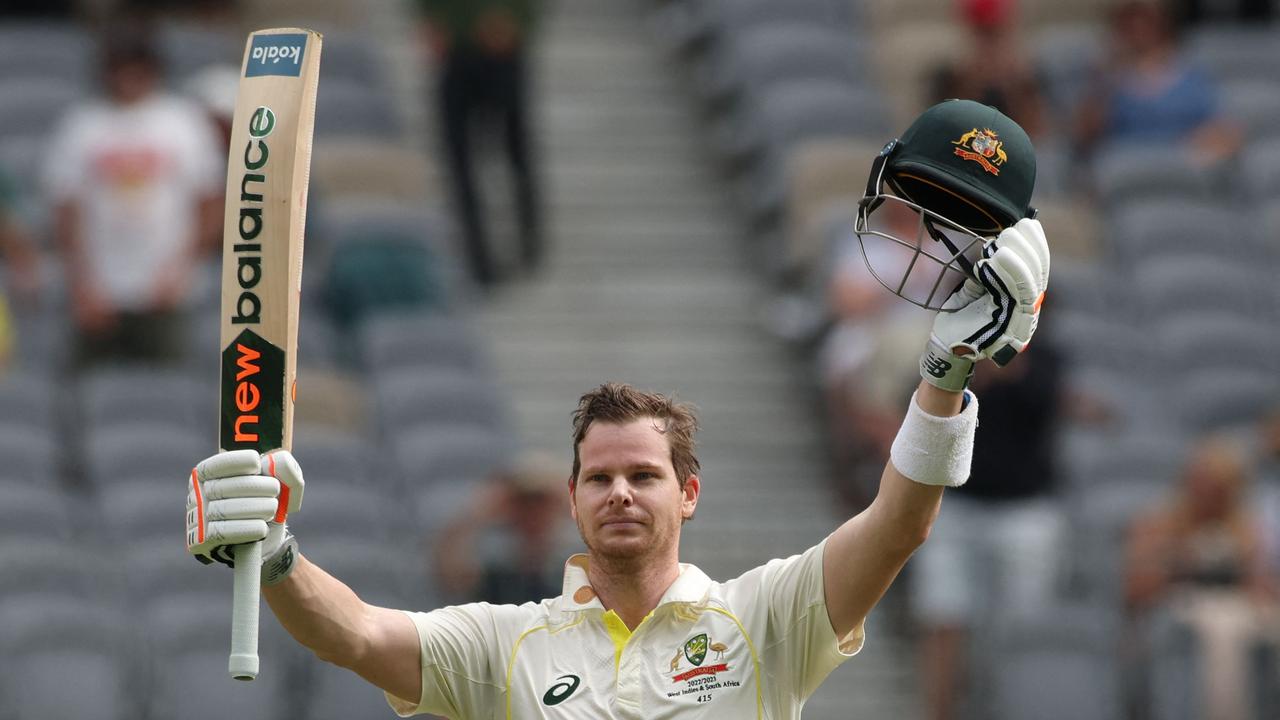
<point x="967" y="172"/>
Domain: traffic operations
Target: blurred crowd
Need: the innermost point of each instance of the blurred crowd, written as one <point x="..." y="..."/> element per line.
<point x="1121" y="530"/>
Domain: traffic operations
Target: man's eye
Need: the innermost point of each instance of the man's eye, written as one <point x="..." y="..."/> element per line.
<point x="645" y="475"/>
<point x="599" y="478"/>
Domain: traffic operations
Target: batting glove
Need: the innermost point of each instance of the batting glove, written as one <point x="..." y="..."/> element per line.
<point x="239" y="497"/>
<point x="994" y="314"/>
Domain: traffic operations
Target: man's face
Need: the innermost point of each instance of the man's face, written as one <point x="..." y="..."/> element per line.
<point x="627" y="501"/>
<point x="129" y="82"/>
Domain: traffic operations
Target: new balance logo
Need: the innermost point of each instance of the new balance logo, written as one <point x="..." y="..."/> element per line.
<point x="936" y="366"/>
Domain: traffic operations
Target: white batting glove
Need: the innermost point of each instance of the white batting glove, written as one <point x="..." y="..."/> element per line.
<point x="239" y="497"/>
<point x="994" y="315"/>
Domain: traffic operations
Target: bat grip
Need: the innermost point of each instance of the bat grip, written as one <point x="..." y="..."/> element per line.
<point x="243" y="664"/>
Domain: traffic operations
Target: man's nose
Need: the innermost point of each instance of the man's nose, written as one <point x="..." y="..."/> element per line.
<point x="620" y="492"/>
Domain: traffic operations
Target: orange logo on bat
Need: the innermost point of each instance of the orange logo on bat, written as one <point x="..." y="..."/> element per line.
<point x="983" y="147"/>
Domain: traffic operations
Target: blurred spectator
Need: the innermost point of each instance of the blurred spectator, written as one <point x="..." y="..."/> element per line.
<point x="1268" y="454"/>
<point x="483" y="47"/>
<point x="17" y="249"/>
<point x="996" y="70"/>
<point x="995" y="549"/>
<point x="1149" y="93"/>
<point x="1199" y="555"/>
<point x="134" y="179"/>
<point x="502" y="548"/>
<point x="21" y="278"/>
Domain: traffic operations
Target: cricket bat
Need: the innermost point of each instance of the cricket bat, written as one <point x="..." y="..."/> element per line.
<point x="267" y="174"/>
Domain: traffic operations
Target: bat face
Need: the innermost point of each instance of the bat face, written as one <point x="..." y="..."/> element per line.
<point x="267" y="174"/>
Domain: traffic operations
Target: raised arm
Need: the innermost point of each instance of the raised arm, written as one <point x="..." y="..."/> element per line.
<point x="326" y="616"/>
<point x="993" y="317"/>
<point x="239" y="496"/>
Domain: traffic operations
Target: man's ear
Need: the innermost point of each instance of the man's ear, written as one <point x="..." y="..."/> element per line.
<point x="573" y="499"/>
<point x="689" y="503"/>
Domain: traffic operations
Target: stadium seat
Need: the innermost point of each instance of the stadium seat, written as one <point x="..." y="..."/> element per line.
<point x="905" y="75"/>
<point x="367" y="167"/>
<point x="66" y="658"/>
<point x="1100" y="520"/>
<point x="334" y="456"/>
<point x="36" y="508"/>
<point x="760" y="58"/>
<point x="1066" y="54"/>
<point x="431" y="454"/>
<point x="1171" y="226"/>
<point x="1171" y="665"/>
<point x="186" y="49"/>
<point x="348" y="57"/>
<point x="1254" y="105"/>
<point x="143" y="510"/>
<point x="1207" y="342"/>
<point x="351" y="109"/>
<point x="188" y="638"/>
<point x="34" y="106"/>
<point x="28" y="400"/>
<point x="1166" y="288"/>
<point x="1129" y="173"/>
<point x="1260" y="172"/>
<point x="160" y="566"/>
<point x="727" y="18"/>
<point x="58" y="52"/>
<point x="336" y="509"/>
<point x="334" y="693"/>
<point x="1149" y="454"/>
<point x="778" y="120"/>
<point x="824" y="180"/>
<point x="30" y="453"/>
<point x="403" y="341"/>
<point x="43" y="567"/>
<point x="114" y="395"/>
<point x="422" y="397"/>
<point x="1060" y="666"/>
<point x="1211" y="400"/>
<point x="119" y="453"/>
<point x="383" y="573"/>
<point x="1235" y="52"/>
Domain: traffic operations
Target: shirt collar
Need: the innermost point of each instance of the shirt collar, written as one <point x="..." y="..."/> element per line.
<point x="691" y="586"/>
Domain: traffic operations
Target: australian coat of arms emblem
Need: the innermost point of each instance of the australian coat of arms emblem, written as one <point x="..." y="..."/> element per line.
<point x="983" y="147"/>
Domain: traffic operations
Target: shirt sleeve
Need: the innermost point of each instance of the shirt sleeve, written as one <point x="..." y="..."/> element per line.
<point x="802" y="645"/>
<point x="462" y="660"/>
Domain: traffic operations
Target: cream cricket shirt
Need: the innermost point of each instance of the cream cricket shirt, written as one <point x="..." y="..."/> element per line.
<point x="754" y="647"/>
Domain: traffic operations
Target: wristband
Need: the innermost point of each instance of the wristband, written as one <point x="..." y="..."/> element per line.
<point x="944" y="369"/>
<point x="935" y="450"/>
<point x="280" y="564"/>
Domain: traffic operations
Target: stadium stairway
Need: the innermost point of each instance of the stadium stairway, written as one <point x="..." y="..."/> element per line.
<point x="647" y="281"/>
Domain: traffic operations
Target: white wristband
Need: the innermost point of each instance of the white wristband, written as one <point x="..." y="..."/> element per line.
<point x="935" y="450"/>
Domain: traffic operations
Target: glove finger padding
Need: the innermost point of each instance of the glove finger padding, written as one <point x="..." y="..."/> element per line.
<point x="241" y="509"/>
<point x="228" y="503"/>
<point x="1017" y="279"/>
<point x="228" y="464"/>
<point x="993" y="314"/>
<point x="284" y="468"/>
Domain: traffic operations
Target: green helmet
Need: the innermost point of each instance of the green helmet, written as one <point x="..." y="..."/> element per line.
<point x="968" y="171"/>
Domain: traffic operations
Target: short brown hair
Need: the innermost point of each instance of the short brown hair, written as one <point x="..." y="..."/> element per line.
<point x="621" y="403"/>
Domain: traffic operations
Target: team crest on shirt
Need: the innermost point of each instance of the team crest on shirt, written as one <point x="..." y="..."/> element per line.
<point x="687" y="668"/>
<point x="983" y="147"/>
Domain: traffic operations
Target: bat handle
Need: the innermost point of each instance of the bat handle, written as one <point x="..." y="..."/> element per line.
<point x="243" y="663"/>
